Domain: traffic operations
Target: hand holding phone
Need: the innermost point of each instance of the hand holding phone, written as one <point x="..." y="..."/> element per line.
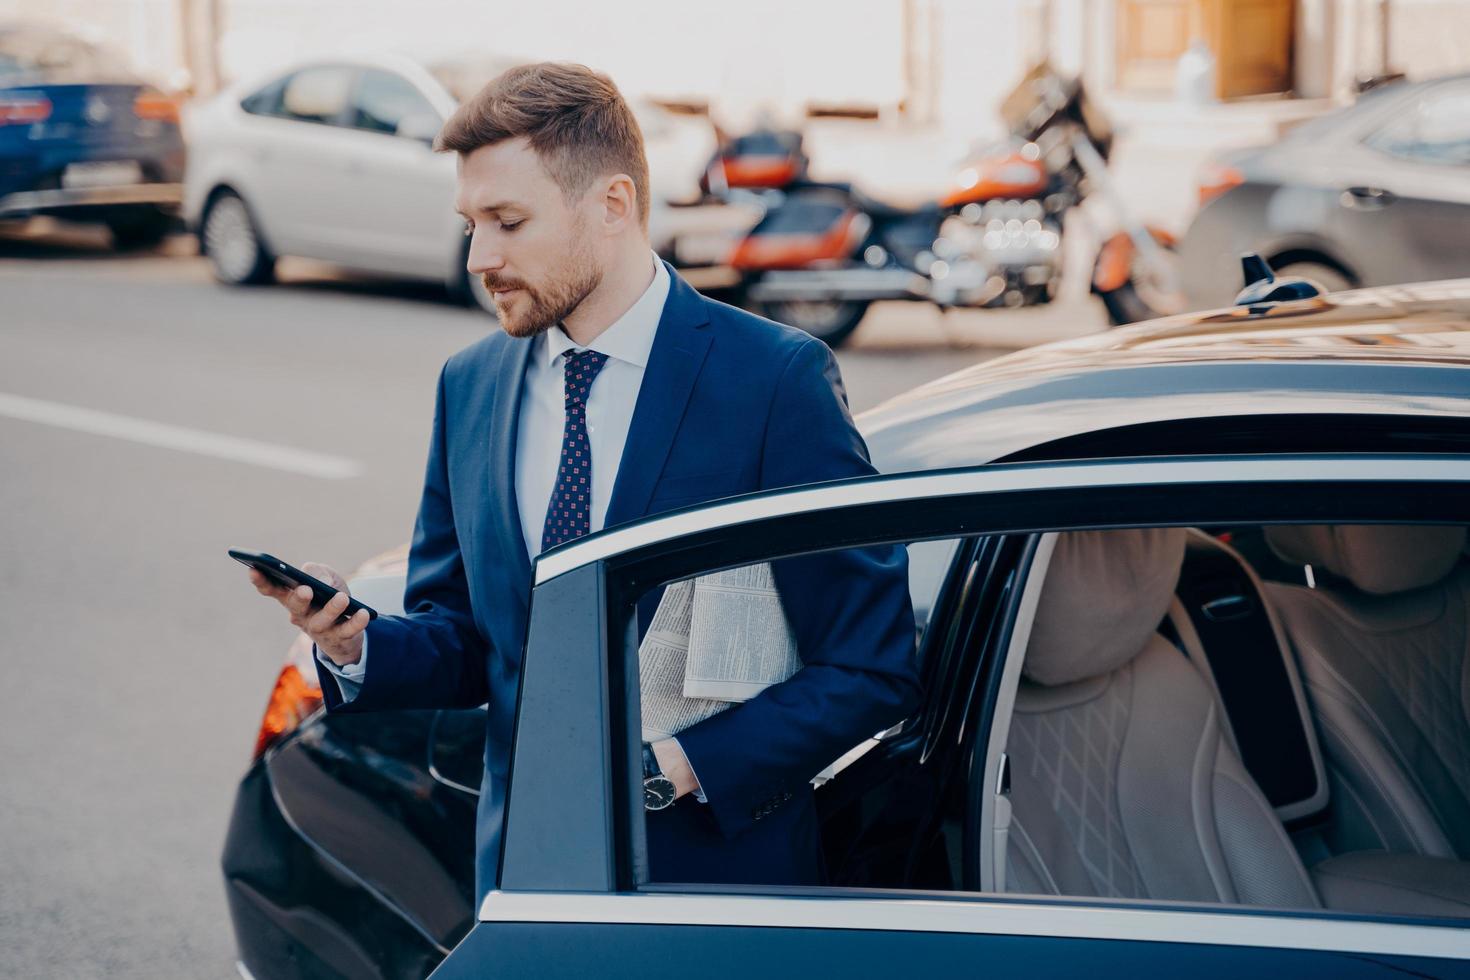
<point x="324" y="610"/>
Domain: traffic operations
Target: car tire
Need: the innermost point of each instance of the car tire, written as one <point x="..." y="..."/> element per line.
<point x="229" y="238"/>
<point x="1329" y="278"/>
<point x="830" y="321"/>
<point x="139" y="228"/>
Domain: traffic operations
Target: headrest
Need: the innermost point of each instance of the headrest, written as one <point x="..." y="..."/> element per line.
<point x="1377" y="558"/>
<point x="1105" y="594"/>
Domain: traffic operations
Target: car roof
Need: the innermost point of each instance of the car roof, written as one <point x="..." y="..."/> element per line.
<point x="1166" y="385"/>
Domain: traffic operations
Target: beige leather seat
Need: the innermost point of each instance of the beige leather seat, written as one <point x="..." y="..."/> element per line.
<point x="1121" y="782"/>
<point x="1384" y="649"/>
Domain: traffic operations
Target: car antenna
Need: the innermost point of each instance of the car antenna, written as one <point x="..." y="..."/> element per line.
<point x="1263" y="287"/>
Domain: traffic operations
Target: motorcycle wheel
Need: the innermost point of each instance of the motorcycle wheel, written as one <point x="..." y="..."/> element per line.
<point x="1125" y="306"/>
<point x="1136" y="300"/>
<point x="831" y="321"/>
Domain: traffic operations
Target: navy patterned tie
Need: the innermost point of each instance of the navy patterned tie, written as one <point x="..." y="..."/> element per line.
<point x="569" y="515"/>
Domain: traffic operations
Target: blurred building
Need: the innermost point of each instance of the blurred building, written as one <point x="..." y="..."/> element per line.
<point x="926" y="61"/>
<point x="928" y="74"/>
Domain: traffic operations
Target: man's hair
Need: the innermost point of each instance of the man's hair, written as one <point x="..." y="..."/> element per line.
<point x="573" y="117"/>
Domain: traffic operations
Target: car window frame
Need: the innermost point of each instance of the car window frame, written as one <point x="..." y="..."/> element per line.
<point x="588" y="589"/>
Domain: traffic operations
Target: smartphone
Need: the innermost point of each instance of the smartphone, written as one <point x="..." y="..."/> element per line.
<point x="290" y="577"/>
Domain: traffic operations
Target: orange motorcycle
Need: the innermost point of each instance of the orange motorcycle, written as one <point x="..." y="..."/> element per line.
<point x="822" y="252"/>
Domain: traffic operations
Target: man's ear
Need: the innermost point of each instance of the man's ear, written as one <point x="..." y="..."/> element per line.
<point x="620" y="199"/>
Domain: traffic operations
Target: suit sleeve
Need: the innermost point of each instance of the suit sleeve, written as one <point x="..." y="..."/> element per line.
<point x="850" y="611"/>
<point x="433" y="656"/>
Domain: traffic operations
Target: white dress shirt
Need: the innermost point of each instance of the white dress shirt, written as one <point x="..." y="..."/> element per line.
<point x="610" y="403"/>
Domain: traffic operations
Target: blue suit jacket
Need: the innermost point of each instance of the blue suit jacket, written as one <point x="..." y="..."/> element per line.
<point x="730" y="403"/>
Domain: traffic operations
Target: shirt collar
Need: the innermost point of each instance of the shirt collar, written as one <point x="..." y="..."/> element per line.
<point x="630" y="338"/>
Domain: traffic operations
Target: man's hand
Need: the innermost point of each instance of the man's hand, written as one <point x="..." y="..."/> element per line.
<point x="673" y="764"/>
<point x="340" y="642"/>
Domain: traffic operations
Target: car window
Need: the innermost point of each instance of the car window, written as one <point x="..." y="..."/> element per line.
<point x="1144" y="713"/>
<point x="383" y="99"/>
<point x="266" y="101"/>
<point x="317" y="95"/>
<point x="1121" y="782"/>
<point x="928" y="563"/>
<point x="717" y="639"/>
<point x="1435" y="131"/>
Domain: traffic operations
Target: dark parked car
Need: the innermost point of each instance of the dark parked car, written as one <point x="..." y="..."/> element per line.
<point x="1373" y="194"/>
<point x="83" y="138"/>
<point x="1192" y="601"/>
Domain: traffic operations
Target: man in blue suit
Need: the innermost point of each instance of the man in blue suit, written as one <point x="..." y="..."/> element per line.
<point x="613" y="392"/>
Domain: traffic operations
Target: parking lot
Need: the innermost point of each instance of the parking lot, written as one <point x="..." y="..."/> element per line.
<point x="149" y="419"/>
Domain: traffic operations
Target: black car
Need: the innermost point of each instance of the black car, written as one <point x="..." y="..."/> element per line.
<point x="1192" y="601"/>
<point x="83" y="138"/>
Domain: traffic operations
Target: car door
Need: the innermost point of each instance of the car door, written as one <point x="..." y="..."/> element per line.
<point x="573" y="896"/>
<point x="402" y="219"/>
<point x="303" y="156"/>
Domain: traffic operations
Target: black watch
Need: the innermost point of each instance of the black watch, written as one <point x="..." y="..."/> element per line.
<point x="658" y="789"/>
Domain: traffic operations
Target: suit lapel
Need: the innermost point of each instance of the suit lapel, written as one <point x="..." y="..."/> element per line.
<point x="679" y="348"/>
<point x="506" y="414"/>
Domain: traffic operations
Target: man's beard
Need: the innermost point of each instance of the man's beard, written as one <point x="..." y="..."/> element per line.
<point x="542" y="308"/>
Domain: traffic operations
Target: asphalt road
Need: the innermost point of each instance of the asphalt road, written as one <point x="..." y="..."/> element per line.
<point x="149" y="419"/>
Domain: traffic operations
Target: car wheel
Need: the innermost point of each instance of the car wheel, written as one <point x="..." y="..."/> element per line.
<point x="231" y="242"/>
<point x="139" y="228"/>
<point x="1330" y="279"/>
<point x="830" y="321"/>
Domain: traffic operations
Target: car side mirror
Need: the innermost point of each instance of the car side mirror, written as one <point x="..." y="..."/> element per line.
<point x="421" y="126"/>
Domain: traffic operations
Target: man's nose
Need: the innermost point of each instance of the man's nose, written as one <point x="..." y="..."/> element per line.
<point x="484" y="256"/>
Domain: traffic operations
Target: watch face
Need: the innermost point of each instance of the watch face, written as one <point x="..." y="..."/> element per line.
<point x="658" y="793"/>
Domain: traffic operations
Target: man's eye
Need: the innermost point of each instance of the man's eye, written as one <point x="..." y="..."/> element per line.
<point x="469" y="229"/>
<point x="511" y="226"/>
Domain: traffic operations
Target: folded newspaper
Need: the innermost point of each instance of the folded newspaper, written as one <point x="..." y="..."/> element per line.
<point x="714" y="641"/>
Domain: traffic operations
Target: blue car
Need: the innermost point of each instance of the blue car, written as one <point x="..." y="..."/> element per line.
<point x="83" y="138"/>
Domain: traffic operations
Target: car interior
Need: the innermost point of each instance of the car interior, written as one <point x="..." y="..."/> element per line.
<point x="1270" y="716"/>
<point x="1183" y="730"/>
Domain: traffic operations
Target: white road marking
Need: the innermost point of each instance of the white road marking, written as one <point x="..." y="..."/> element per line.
<point x="187" y="440"/>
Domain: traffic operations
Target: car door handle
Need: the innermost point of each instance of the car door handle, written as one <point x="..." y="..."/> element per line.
<point x="1367" y="198"/>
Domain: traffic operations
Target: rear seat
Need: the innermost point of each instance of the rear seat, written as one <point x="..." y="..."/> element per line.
<point x="1123" y="783"/>
<point x="1125" y="778"/>
<point x="1383" y="644"/>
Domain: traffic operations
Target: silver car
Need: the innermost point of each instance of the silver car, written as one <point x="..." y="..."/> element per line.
<point x="330" y="160"/>
<point x="1374" y="194"/>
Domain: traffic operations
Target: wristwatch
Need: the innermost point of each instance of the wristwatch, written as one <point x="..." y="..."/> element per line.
<point x="658" y="789"/>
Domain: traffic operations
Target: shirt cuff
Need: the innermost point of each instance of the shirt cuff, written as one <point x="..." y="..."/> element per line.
<point x="698" y="790"/>
<point x="349" y="678"/>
